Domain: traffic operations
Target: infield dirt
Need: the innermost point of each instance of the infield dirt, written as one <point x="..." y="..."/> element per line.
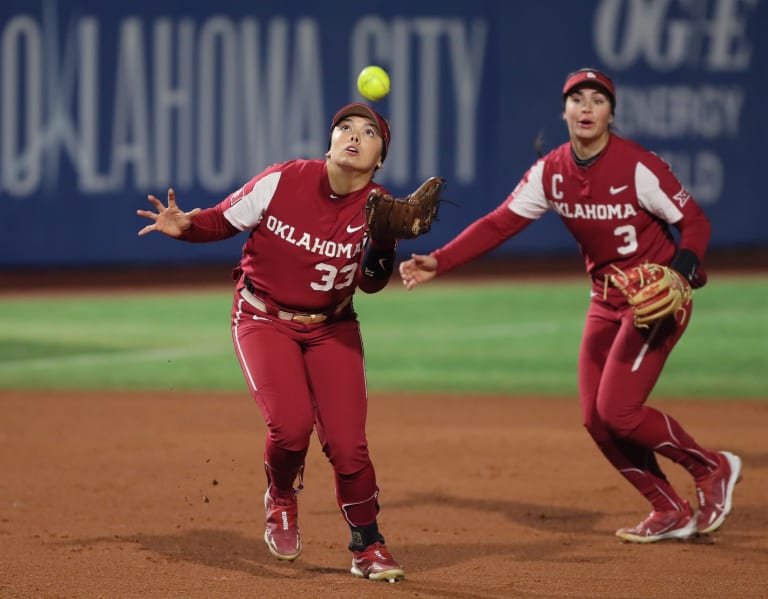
<point x="120" y="495"/>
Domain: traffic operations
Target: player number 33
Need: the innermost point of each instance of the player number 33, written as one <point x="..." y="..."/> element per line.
<point x="345" y="276"/>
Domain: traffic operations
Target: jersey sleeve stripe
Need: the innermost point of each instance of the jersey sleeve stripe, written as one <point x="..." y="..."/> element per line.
<point x="652" y="197"/>
<point x="528" y="199"/>
<point x="246" y="212"/>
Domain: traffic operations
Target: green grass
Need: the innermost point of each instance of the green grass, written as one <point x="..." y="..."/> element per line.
<point x="151" y="341"/>
<point x="511" y="337"/>
<point x="462" y="338"/>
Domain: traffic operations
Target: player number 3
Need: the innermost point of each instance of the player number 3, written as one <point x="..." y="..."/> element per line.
<point x="628" y="236"/>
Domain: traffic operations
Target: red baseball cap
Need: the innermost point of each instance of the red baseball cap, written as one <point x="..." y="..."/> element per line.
<point x="363" y="110"/>
<point x="590" y="78"/>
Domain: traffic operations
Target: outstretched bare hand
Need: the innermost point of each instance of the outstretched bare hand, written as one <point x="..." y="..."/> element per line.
<point x="169" y="220"/>
<point x="419" y="269"/>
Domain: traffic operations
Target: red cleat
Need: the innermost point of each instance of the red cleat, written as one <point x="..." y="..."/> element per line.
<point x="715" y="493"/>
<point x="282" y="534"/>
<point x="658" y="526"/>
<point x="376" y="563"/>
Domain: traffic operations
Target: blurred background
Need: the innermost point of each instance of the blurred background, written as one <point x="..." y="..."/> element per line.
<point x="104" y="103"/>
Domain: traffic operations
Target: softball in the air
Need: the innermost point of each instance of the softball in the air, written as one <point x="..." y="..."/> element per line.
<point x="373" y="83"/>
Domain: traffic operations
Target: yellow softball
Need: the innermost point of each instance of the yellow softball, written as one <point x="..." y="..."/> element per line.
<point x="373" y="83"/>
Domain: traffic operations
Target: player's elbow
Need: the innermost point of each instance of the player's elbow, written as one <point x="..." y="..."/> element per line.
<point x="372" y="285"/>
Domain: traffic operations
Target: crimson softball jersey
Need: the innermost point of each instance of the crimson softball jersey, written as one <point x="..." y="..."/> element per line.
<point x="618" y="209"/>
<point x="305" y="244"/>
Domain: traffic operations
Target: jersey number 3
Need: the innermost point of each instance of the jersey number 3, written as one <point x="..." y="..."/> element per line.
<point x="628" y="236"/>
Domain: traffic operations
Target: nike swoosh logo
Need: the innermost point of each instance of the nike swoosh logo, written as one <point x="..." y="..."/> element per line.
<point x="383" y="263"/>
<point x="334" y="196"/>
<point x="614" y="190"/>
<point x="259" y="318"/>
<point x="351" y="229"/>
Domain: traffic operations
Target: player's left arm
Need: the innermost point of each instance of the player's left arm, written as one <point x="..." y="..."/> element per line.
<point x="390" y="219"/>
<point x="660" y="192"/>
<point x="695" y="231"/>
<point x="376" y="265"/>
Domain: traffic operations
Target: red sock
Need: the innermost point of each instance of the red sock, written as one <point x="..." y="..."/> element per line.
<point x="284" y="470"/>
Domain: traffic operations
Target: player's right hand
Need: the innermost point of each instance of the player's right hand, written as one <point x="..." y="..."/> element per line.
<point x="169" y="220"/>
<point x="419" y="269"/>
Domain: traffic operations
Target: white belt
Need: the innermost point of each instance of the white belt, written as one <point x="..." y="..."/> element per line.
<point x="301" y="318"/>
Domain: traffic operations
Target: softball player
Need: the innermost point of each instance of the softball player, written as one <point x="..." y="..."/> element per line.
<point x="618" y="200"/>
<point x="294" y="328"/>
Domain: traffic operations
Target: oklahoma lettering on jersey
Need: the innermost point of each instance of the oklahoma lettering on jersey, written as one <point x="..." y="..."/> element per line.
<point x="305" y="242"/>
<point x="324" y="247"/>
<point x="596" y="211"/>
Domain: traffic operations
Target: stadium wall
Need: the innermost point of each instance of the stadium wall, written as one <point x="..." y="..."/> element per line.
<point x="104" y="103"/>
